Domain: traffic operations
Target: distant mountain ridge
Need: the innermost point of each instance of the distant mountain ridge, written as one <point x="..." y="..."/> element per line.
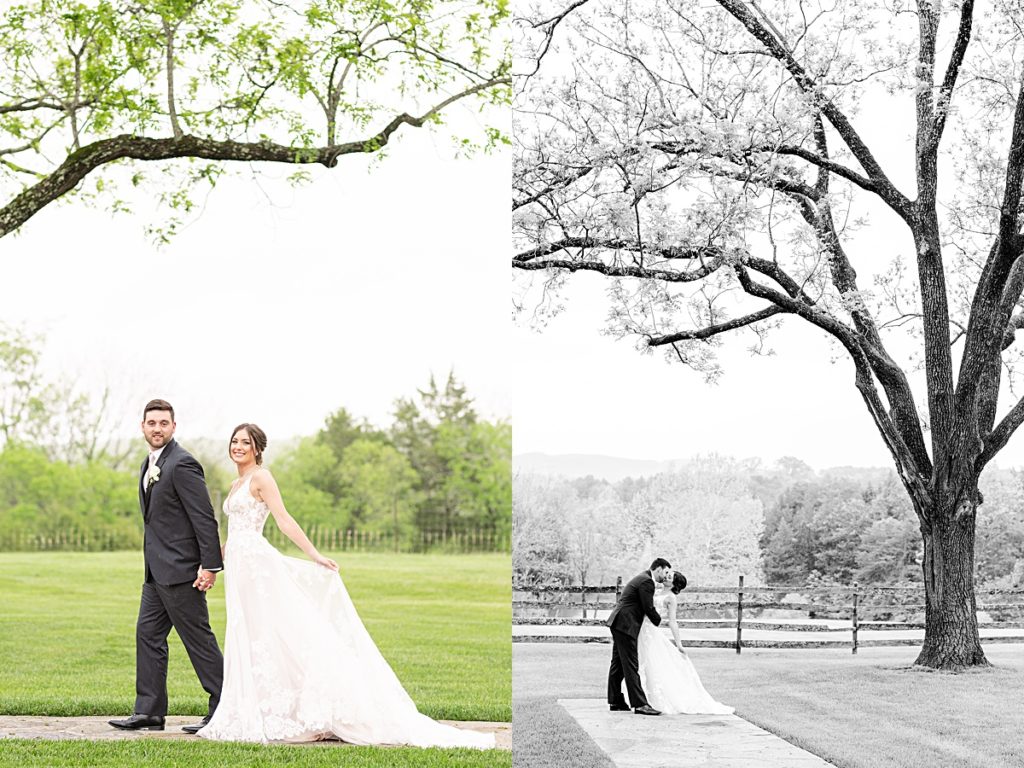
<point x="616" y="468"/>
<point x="610" y="468"/>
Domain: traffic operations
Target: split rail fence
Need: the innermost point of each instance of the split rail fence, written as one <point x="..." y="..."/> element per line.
<point x="857" y="605"/>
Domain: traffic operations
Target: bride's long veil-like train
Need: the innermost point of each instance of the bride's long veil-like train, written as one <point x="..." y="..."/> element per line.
<point x="669" y="678"/>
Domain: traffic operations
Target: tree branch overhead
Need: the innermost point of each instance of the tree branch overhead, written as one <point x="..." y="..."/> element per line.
<point x="100" y="84"/>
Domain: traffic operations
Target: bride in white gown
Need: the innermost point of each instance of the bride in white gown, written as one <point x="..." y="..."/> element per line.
<point x="666" y="672"/>
<point x="298" y="663"/>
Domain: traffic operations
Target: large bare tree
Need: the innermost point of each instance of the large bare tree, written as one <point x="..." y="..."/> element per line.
<point x="166" y="93"/>
<point x="725" y="165"/>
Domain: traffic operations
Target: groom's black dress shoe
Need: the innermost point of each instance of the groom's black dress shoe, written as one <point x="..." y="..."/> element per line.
<point x="646" y="709"/>
<point x="139" y="723"/>
<point x="618" y="708"/>
<point x="195" y="728"/>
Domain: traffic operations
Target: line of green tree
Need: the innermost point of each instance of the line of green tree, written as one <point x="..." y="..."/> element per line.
<point x="438" y="472"/>
<point x="438" y="468"/>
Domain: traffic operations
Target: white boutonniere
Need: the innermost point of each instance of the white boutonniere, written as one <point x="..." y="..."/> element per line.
<point x="154" y="474"/>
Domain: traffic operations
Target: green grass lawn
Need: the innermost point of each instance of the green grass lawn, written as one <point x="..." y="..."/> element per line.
<point x="19" y="753"/>
<point x="67" y="641"/>
<point x="864" y="711"/>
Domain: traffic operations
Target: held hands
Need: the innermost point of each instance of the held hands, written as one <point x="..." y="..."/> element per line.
<point x="326" y="562"/>
<point x="204" y="580"/>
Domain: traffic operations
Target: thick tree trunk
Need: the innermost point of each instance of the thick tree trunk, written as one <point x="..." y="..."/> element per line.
<point x="951" y="638"/>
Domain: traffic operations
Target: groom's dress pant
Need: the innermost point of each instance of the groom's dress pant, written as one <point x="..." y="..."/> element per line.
<point x="625" y="666"/>
<point x="183" y="607"/>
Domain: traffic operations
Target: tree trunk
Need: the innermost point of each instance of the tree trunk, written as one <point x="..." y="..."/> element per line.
<point x="394" y="509"/>
<point x="951" y="638"/>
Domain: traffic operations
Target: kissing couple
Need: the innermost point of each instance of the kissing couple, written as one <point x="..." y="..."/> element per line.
<point x="652" y="670"/>
<point x="299" y="664"/>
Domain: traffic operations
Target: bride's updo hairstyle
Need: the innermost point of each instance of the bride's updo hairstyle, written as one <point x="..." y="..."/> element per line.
<point x="256" y="435"/>
<point x="678" y="583"/>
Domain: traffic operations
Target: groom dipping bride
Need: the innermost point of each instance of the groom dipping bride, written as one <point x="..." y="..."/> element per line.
<point x="644" y="658"/>
<point x="300" y="665"/>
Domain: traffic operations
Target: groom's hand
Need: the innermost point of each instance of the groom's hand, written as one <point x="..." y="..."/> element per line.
<point x="205" y="580"/>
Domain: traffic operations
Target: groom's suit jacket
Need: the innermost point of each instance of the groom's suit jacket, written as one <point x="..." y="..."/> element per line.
<point x="180" y="528"/>
<point x="635" y="602"/>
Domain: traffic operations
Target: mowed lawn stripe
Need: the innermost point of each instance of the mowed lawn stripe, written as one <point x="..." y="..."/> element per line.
<point x="17" y="753"/>
<point x="67" y="631"/>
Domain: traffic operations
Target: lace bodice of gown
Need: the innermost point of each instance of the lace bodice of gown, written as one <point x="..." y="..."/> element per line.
<point x="245" y="514"/>
<point x="661" y="603"/>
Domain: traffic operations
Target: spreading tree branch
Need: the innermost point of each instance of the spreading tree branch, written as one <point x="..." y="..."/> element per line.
<point x="818" y="160"/>
<point x="701" y="252"/>
<point x="998" y="437"/>
<point x="549" y="26"/>
<point x="714" y="330"/>
<point x="778" y="50"/>
<point x="620" y="270"/>
<point x="560" y="182"/>
<point x="79" y="164"/>
<point x="904" y="458"/>
<point x="956" y="60"/>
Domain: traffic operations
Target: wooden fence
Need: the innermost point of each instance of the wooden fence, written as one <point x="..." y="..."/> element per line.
<point x="861" y="606"/>
<point x="100" y="540"/>
<point x="333" y="539"/>
<point x="324" y="538"/>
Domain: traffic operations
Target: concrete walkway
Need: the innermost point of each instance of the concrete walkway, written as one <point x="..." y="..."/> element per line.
<point x="681" y="741"/>
<point x="97" y="729"/>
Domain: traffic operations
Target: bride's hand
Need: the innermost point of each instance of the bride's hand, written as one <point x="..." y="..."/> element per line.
<point x="680" y="647"/>
<point x="326" y="562"/>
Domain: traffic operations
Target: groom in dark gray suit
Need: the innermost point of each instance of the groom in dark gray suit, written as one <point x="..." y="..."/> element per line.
<point x="635" y="602"/>
<point x="182" y="556"/>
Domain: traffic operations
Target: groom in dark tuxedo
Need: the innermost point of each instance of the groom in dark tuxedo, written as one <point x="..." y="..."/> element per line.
<point x="635" y="602"/>
<point x="182" y="556"/>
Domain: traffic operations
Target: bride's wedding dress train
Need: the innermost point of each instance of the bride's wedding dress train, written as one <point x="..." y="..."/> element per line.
<point x="298" y="663"/>
<point x="669" y="678"/>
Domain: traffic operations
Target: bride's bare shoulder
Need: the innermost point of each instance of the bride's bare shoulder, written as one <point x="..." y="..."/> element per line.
<point x="261" y="478"/>
<point x="263" y="475"/>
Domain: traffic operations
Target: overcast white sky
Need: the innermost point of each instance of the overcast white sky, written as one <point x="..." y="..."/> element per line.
<point x="280" y="305"/>
<point x="582" y="392"/>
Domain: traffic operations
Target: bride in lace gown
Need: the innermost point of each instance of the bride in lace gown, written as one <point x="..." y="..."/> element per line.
<point x="298" y="663"/>
<point x="667" y="675"/>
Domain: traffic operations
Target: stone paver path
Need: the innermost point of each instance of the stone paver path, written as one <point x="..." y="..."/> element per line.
<point x="96" y="728"/>
<point x="681" y="741"/>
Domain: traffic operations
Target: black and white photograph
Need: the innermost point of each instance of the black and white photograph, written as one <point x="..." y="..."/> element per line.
<point x="767" y="286"/>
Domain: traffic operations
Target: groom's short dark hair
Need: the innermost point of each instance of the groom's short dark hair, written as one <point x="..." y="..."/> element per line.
<point x="661" y="562"/>
<point x="158" y="405"/>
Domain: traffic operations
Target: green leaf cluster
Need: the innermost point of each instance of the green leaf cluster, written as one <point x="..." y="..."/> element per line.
<point x="58" y="505"/>
<point x="438" y="468"/>
<point x="299" y="73"/>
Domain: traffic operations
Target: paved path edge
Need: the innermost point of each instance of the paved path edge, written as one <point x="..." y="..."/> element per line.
<point x="96" y="728"/>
